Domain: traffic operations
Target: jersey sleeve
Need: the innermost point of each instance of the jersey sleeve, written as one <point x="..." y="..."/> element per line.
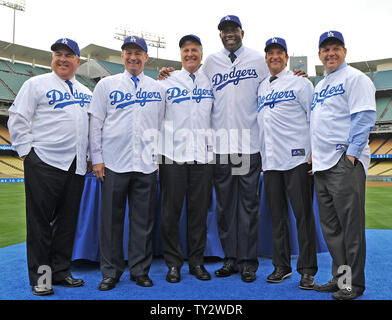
<point x="361" y="94"/>
<point x="99" y="101"/>
<point x="306" y="98"/>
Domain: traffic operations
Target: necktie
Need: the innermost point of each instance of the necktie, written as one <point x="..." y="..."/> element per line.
<point x="192" y="76"/>
<point x="232" y="57"/>
<point x="69" y="83"/>
<point x="135" y="80"/>
<point x="273" y="78"/>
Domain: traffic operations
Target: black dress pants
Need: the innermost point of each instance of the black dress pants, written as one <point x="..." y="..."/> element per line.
<point x="341" y="200"/>
<point x="195" y="181"/>
<point x="295" y="184"/>
<point x="52" y="207"/>
<point x="237" y="198"/>
<point x="141" y="190"/>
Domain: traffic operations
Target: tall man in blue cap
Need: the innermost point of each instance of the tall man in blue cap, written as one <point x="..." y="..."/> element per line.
<point x="185" y="169"/>
<point x="283" y="116"/>
<point x="343" y="114"/>
<point x="48" y="125"/>
<point x="126" y="113"/>
<point x="235" y="73"/>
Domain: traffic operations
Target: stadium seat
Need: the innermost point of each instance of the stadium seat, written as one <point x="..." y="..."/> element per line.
<point x="18" y="68"/>
<point x="383" y="80"/>
<point x="11" y="167"/>
<point x="5" y="94"/>
<point x="386" y="148"/>
<point x="382" y="168"/>
<point x="3" y="66"/>
<point x="5" y="135"/>
<point x="375" y="144"/>
<point x="388" y="115"/>
<point x="13" y="81"/>
<point x="381" y="104"/>
<point x="111" y="67"/>
<point x="39" y="70"/>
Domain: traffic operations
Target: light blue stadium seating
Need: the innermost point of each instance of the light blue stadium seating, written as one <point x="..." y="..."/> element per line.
<point x="388" y="115"/>
<point x="5" y="94"/>
<point x="13" y="81"/>
<point x="383" y="80"/>
<point x="19" y="68"/>
<point x="381" y="104"/>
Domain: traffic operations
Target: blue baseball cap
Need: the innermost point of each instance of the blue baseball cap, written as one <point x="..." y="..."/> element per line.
<point x="227" y="19"/>
<point x="275" y="40"/>
<point x="72" y="45"/>
<point x="189" y="37"/>
<point x="135" y="40"/>
<point x="331" y="35"/>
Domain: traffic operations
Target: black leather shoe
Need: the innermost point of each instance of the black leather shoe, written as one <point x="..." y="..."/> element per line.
<point x="331" y="286"/>
<point x="347" y="294"/>
<point x="69" y="282"/>
<point x="107" y="284"/>
<point x="248" y="275"/>
<point x="307" y="282"/>
<point x="199" y="272"/>
<point x="41" y="291"/>
<point x="143" y="281"/>
<point x="279" y="275"/>
<point x="226" y="271"/>
<point x="173" y="275"/>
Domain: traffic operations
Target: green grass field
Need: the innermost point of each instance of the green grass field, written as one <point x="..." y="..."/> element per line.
<point x="13" y="224"/>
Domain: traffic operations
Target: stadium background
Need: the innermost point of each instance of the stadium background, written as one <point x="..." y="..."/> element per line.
<point x="18" y="63"/>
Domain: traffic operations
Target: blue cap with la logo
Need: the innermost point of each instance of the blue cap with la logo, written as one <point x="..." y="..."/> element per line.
<point x="275" y="40"/>
<point x="229" y="19"/>
<point x="72" y="45"/>
<point x="331" y="35"/>
<point x="135" y="40"/>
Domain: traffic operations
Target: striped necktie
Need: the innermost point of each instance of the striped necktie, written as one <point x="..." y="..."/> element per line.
<point x="192" y="76"/>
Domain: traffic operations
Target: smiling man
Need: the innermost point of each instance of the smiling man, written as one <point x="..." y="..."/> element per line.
<point x="126" y="113"/>
<point x="283" y="116"/>
<point x="48" y="125"/>
<point x="343" y="114"/>
<point x="185" y="169"/>
<point x="235" y="73"/>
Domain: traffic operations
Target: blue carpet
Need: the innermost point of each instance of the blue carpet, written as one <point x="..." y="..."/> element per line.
<point x="15" y="286"/>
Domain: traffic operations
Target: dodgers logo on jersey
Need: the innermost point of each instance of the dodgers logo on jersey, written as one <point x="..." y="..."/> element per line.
<point x="179" y="95"/>
<point x="328" y="92"/>
<point x="273" y="98"/>
<point x="222" y="80"/>
<point x="124" y="99"/>
<point x="61" y="99"/>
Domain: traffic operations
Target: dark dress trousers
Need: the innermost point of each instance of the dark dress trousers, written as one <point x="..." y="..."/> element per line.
<point x="193" y="180"/>
<point x="141" y="191"/>
<point x="237" y="198"/>
<point x="52" y="206"/>
<point x="341" y="200"/>
<point x="296" y="186"/>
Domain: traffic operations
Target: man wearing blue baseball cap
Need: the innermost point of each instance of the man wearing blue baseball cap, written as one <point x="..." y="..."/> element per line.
<point x="235" y="73"/>
<point x="187" y="153"/>
<point x="284" y="102"/>
<point x="343" y="114"/>
<point x="126" y="113"/>
<point x="48" y="124"/>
